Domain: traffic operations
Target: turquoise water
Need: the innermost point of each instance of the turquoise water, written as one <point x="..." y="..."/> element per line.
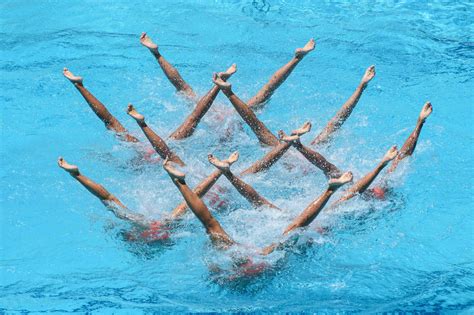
<point x="62" y="251"/>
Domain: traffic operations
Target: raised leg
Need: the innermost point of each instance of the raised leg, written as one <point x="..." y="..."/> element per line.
<point x="269" y="159"/>
<point x="171" y="73"/>
<point x="279" y="77"/>
<point x="410" y="144"/>
<point x="311" y="212"/>
<point x="99" y="109"/>
<point x="277" y="152"/>
<point x="261" y="131"/>
<point x="217" y="234"/>
<point x="341" y="116"/>
<point x="156" y="141"/>
<point x="189" y="125"/>
<point x="200" y="190"/>
<point x="361" y="185"/>
<point x="110" y="201"/>
<point x="329" y="169"/>
<point x="242" y="187"/>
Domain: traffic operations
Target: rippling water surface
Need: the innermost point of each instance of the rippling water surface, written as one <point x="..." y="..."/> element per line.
<point x="60" y="250"/>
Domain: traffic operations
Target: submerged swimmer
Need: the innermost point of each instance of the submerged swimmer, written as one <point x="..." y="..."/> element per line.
<point x="148" y="230"/>
<point x="257" y="101"/>
<point x="221" y="239"/>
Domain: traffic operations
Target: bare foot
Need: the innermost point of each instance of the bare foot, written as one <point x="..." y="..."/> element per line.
<point x="368" y="75"/>
<point x="286" y="138"/>
<point x="147" y="42"/>
<point x="335" y="183"/>
<point x="71" y="169"/>
<point x="224" y="86"/>
<point x="132" y="112"/>
<point x="172" y="172"/>
<point x="222" y="165"/>
<point x="228" y="73"/>
<point x="71" y="77"/>
<point x="426" y="111"/>
<point x="301" y="52"/>
<point x="390" y="155"/>
<point x="303" y="129"/>
<point x="233" y="157"/>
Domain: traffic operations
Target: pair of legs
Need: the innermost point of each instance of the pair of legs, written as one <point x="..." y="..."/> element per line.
<point x="263" y="133"/>
<point x="151" y="230"/>
<point x="315" y="158"/>
<point x="392" y="155"/>
<point x="185" y="130"/>
<point x="255" y="102"/>
<point x="217" y="234"/>
<point x="245" y="110"/>
<point x="242" y="187"/>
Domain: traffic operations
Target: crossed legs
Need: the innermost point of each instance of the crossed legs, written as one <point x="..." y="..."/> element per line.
<point x="242" y="187"/>
<point x="156" y="141"/>
<point x="261" y="131"/>
<point x="186" y="129"/>
<point x="360" y="186"/>
<point x="217" y="234"/>
<point x="315" y="158"/>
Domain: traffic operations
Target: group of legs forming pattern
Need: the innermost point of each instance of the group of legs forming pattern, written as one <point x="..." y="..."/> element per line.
<point x="158" y="230"/>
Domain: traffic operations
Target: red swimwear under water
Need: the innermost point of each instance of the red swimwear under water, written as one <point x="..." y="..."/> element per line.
<point x="149" y="156"/>
<point x="251" y="269"/>
<point x="155" y="232"/>
<point x="378" y="192"/>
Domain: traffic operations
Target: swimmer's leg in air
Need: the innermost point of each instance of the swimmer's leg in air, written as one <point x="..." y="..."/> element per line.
<point x="242" y="187"/>
<point x="341" y="116"/>
<point x="278" y="151"/>
<point x="279" y="77"/>
<point x="261" y="131"/>
<point x="156" y="141"/>
<point x="110" y="201"/>
<point x="410" y="144"/>
<point x="312" y="211"/>
<point x="171" y="73"/>
<point x="99" y="109"/>
<point x="215" y="231"/>
<point x="189" y="125"/>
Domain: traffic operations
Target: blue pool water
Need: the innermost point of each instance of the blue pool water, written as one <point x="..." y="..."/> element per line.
<point x="60" y="249"/>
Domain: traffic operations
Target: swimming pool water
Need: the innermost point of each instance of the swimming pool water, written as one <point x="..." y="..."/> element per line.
<point x="62" y="251"/>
